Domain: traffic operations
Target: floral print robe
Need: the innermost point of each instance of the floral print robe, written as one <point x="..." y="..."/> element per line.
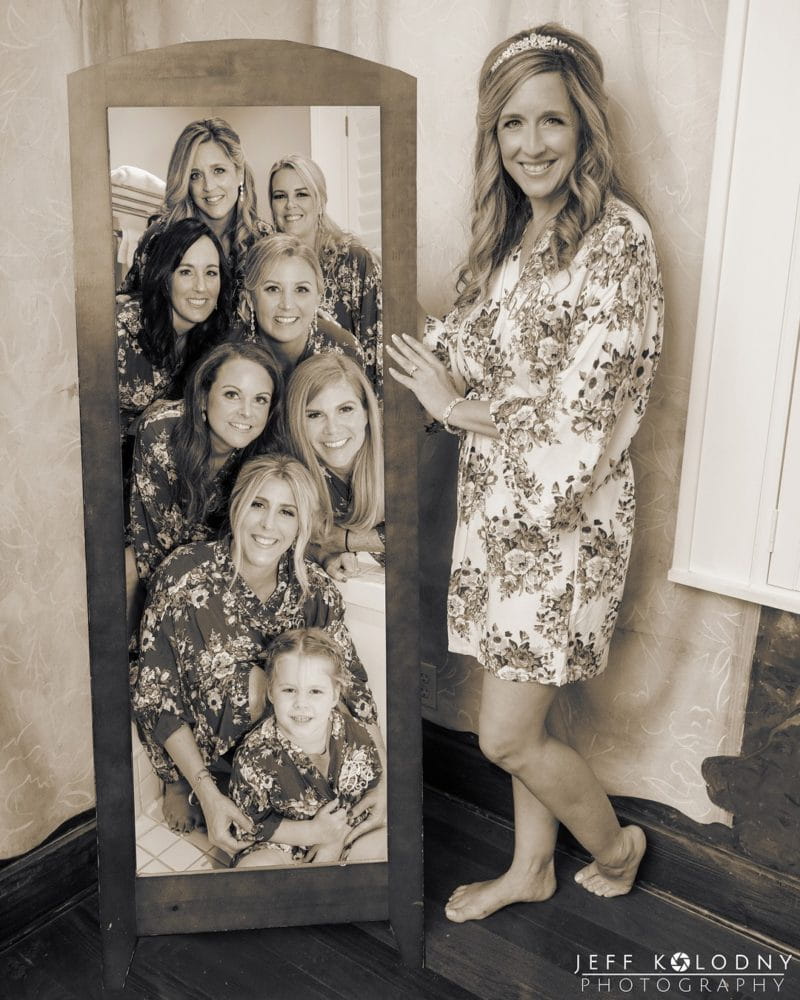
<point x="353" y="294"/>
<point x="158" y="523"/>
<point x="546" y="509"/>
<point x="274" y="779"/>
<point x="341" y="498"/>
<point x="202" y="631"/>
<point x="139" y="382"/>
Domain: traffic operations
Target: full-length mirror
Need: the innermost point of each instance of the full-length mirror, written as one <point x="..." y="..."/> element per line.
<point x="257" y="736"/>
<point x="312" y="173"/>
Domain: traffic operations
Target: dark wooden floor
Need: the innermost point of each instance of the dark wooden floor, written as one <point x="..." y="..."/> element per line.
<point x="527" y="952"/>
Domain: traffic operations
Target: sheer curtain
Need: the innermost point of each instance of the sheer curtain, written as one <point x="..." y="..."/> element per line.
<point x="673" y="693"/>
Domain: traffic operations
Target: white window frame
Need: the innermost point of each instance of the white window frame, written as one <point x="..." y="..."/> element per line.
<point x="736" y="481"/>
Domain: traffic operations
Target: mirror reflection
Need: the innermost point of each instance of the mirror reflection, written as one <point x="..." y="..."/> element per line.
<point x="249" y="355"/>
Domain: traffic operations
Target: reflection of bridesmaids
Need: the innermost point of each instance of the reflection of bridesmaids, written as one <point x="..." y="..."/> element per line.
<point x="212" y="607"/>
<point x="183" y="310"/>
<point x="334" y="426"/>
<point x="351" y="273"/>
<point x="207" y="178"/>
<point x="282" y="287"/>
<point x="187" y="453"/>
<point x="301" y="774"/>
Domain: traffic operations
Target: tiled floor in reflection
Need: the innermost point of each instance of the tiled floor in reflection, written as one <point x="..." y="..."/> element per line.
<point x="159" y="851"/>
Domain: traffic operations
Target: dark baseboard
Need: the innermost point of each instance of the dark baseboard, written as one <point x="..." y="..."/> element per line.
<point x="692" y="863"/>
<point x="39" y="883"/>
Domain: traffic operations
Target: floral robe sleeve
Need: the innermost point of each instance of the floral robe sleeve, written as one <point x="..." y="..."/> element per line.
<point x="157" y="520"/>
<point x="198" y="645"/>
<point x="353" y="295"/>
<point x="341" y="499"/>
<point x="273" y="779"/>
<point x="139" y="382"/>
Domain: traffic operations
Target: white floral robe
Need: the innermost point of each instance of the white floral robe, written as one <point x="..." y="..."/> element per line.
<point x="546" y="509"/>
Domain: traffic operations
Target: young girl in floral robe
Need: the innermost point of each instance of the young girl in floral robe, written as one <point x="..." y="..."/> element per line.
<point x="305" y="755"/>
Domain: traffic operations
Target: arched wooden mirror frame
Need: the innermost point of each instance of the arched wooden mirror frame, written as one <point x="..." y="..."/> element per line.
<point x="240" y="73"/>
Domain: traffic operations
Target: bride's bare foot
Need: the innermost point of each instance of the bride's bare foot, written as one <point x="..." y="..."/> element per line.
<point x="480" y="899"/>
<point x="617" y="879"/>
<point x="180" y="814"/>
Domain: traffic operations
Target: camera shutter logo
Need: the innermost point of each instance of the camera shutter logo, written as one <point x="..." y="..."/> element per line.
<point x="680" y="961"/>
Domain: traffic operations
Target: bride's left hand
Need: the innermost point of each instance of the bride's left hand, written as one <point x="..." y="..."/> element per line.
<point x="423" y="373"/>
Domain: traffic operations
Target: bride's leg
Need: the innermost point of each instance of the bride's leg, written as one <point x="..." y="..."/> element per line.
<point x="531" y="876"/>
<point x="514" y="735"/>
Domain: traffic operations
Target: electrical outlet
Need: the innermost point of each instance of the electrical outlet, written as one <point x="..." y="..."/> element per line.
<point x="427" y="684"/>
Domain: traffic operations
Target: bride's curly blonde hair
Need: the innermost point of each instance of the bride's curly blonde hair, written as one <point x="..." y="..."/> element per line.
<point x="500" y="210"/>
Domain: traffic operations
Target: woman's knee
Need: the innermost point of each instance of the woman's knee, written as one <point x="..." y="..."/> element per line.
<point x="505" y="748"/>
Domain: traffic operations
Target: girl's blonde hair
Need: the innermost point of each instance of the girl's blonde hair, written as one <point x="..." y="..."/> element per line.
<point x="252" y="476"/>
<point x="328" y="234"/>
<point x="178" y="202"/>
<point x="500" y="210"/>
<point x="308" y="642"/>
<point x="308" y="380"/>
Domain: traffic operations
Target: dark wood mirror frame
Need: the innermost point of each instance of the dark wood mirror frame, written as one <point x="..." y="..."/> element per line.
<point x="240" y="73"/>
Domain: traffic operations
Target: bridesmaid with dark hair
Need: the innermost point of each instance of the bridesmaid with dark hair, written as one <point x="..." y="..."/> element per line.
<point x="183" y="310"/>
<point x="187" y="453"/>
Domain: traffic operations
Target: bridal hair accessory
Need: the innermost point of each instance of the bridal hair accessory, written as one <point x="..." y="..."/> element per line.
<point x="534" y="41"/>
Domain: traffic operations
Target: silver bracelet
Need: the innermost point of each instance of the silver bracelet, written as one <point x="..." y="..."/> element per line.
<point x="447" y="411"/>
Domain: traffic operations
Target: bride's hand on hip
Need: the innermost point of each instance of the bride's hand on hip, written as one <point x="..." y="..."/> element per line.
<point x="423" y="373"/>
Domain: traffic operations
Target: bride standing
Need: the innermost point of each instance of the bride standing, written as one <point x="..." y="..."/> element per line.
<point x="543" y="370"/>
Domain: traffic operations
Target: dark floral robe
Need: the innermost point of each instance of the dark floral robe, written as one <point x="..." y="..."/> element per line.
<point x="341" y="497"/>
<point x="274" y="779"/>
<point x="139" y="381"/>
<point x="202" y="631"/>
<point x="545" y="510"/>
<point x="158" y="523"/>
<point x="353" y="295"/>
